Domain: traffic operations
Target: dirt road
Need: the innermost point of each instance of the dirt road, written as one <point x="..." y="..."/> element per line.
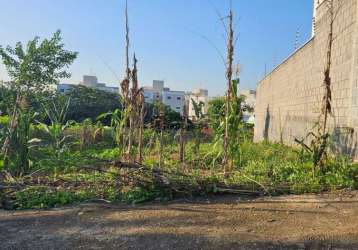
<point x="327" y="221"/>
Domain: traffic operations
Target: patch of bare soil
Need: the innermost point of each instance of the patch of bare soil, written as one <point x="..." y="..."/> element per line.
<point x="327" y="221"/>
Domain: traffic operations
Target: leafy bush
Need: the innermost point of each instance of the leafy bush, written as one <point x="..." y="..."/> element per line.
<point x="41" y="198"/>
<point x="4" y="120"/>
<point x="140" y="195"/>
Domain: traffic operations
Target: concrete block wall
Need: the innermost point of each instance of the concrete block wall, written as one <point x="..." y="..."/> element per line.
<point x="289" y="99"/>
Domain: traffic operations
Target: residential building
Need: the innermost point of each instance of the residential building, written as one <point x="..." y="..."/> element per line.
<point x="198" y="95"/>
<point x="92" y="82"/>
<point x="158" y="92"/>
<point x="174" y="99"/>
<point x="250" y="100"/>
<point x="64" y="88"/>
<point x="89" y="82"/>
<point x="154" y="92"/>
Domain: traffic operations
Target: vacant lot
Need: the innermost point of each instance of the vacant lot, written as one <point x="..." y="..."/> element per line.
<point x="328" y="221"/>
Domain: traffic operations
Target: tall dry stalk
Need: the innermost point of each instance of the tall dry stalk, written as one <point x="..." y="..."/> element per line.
<point x="133" y="115"/>
<point x="183" y="128"/>
<point x="327" y="98"/>
<point x="141" y="125"/>
<point x="318" y="146"/>
<point x="229" y="65"/>
<point x="128" y="72"/>
<point x="161" y="142"/>
<point x="124" y="85"/>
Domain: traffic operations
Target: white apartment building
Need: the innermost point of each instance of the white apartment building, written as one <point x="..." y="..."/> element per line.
<point x="250" y="100"/>
<point x="154" y="92"/>
<point x="89" y="82"/>
<point x="157" y="92"/>
<point x="175" y="100"/>
<point x="198" y="95"/>
<point x="64" y="88"/>
<point x="92" y="82"/>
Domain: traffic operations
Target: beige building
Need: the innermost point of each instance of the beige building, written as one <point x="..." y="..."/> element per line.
<point x="198" y="95"/>
<point x="288" y="99"/>
<point x="158" y="92"/>
<point x="92" y="82"/>
<point x="250" y="100"/>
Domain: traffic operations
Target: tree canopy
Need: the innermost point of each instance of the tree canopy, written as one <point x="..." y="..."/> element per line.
<point x="37" y="65"/>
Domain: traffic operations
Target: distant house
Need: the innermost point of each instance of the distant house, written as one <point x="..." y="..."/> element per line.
<point x="157" y="92"/>
<point x="64" y="88"/>
<point x="250" y="100"/>
<point x="198" y="95"/>
<point x="175" y="100"/>
<point x="89" y="82"/>
<point x="92" y="82"/>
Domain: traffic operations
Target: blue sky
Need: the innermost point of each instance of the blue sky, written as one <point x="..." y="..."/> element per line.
<point x="167" y="36"/>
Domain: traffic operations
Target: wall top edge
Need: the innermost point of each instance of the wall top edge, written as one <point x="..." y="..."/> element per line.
<point x="286" y="59"/>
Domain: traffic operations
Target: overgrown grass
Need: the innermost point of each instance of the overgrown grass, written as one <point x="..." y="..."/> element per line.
<point x="274" y="168"/>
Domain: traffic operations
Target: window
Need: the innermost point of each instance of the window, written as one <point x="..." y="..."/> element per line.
<point x="178" y="107"/>
<point x="62" y="90"/>
<point x="178" y="98"/>
<point x="169" y="97"/>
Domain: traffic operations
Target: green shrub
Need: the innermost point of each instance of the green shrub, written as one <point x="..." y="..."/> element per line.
<point x="40" y="198"/>
<point x="4" y="120"/>
<point x="140" y="195"/>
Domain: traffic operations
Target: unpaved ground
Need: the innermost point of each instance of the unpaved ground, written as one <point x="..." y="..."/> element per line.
<point x="327" y="221"/>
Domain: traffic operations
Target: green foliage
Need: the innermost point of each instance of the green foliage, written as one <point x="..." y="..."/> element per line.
<point x="89" y="103"/>
<point x="18" y="159"/>
<point x="56" y="112"/>
<point x="199" y="123"/>
<point x="118" y="121"/>
<point x="285" y="170"/>
<point x="32" y="70"/>
<point x="140" y="195"/>
<point x="40" y="198"/>
<point x="4" y="120"/>
<point x="39" y="64"/>
<point x="274" y="168"/>
<point x="216" y="113"/>
<point x="172" y="119"/>
<point x="7" y="98"/>
<point x="236" y="127"/>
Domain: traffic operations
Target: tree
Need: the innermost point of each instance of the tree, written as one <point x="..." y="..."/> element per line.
<point x="38" y="66"/>
<point x="33" y="69"/>
<point x="6" y="99"/>
<point x="90" y="103"/>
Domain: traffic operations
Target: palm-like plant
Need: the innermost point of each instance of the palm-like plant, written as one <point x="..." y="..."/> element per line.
<point x="56" y="112"/>
<point x="118" y="123"/>
<point x="235" y="127"/>
<point x="198" y="123"/>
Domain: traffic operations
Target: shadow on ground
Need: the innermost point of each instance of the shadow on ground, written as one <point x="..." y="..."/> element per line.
<point x="293" y="222"/>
